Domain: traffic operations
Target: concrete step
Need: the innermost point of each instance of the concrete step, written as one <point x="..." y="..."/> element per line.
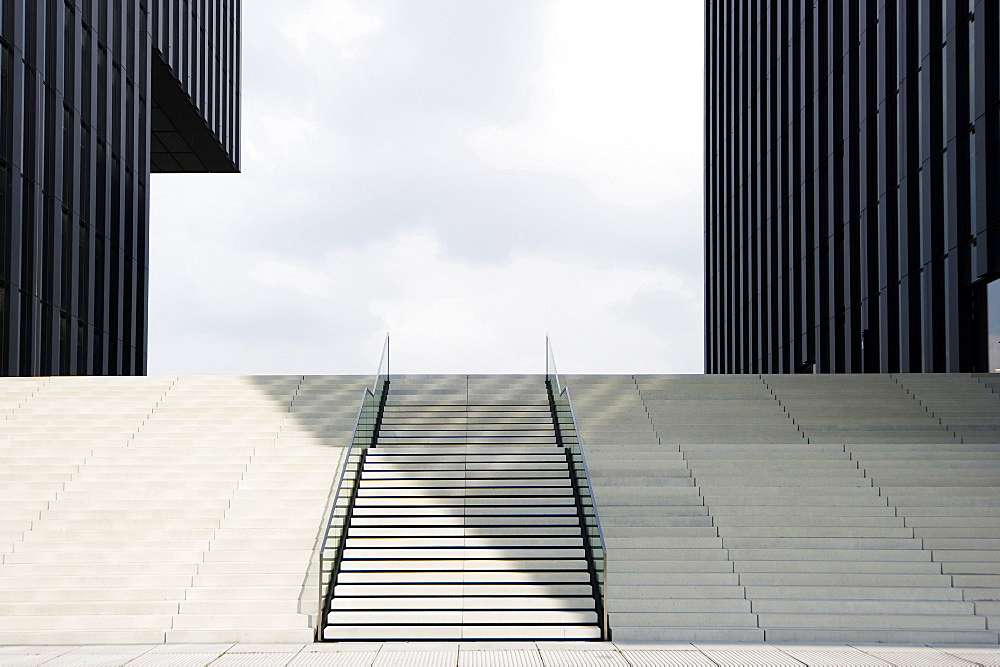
<point x="550" y="603"/>
<point x="460" y="632"/>
<point x="503" y="553"/>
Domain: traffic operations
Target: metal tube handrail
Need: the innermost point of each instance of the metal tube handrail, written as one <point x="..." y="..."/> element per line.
<point x="563" y="393"/>
<point x="576" y="431"/>
<point x="369" y="396"/>
<point x="586" y="470"/>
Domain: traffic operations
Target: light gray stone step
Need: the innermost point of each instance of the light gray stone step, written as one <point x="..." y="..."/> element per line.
<point x="88" y="622"/>
<point x="495" y="616"/>
<point x="550" y="603"/>
<point x="379" y="455"/>
<point x="466" y="632"/>
<point x="981" y="594"/>
<point x="843" y="579"/>
<point x="748" y="452"/>
<point x="57" y="594"/>
<point x="403" y="482"/>
<point x="960" y="531"/>
<point x="873" y="621"/>
<point x="388" y="568"/>
<point x="625" y="554"/>
<point x="685" y="619"/>
<point x="84" y="568"/>
<point x="970" y="499"/>
<point x="653" y="523"/>
<point x="781" y="498"/>
<point x="894" y="454"/>
<point x="489" y="504"/>
<point x="613" y="531"/>
<point x="461" y="449"/>
<point x="555" y="467"/>
<point x="468" y="541"/>
<point x="680" y="592"/>
<point x="474" y="523"/>
<point x="462" y="531"/>
<point x="881" y="635"/>
<point x="411" y="439"/>
<point x="823" y="543"/>
<point x="87" y="607"/>
<point x="886" y="606"/>
<point x="391" y="493"/>
<point x="502" y="589"/>
<point x="510" y="432"/>
<point x="535" y="475"/>
<point x="417" y="553"/>
<point x="838" y="566"/>
<point x="818" y="532"/>
<point x="639" y="634"/>
<point x="505" y="507"/>
<point x="983" y="464"/>
<point x="830" y="554"/>
<point x="796" y="521"/>
<point x="650" y="511"/>
<point x="87" y="636"/>
<point x="981" y="581"/>
<point x="853" y="593"/>
<point x="664" y="542"/>
<point x="958" y="511"/>
<point x="930" y="483"/>
<point x="828" y="483"/>
<point x="623" y="579"/>
<point x="987" y="567"/>
<point x="431" y="579"/>
<point x="641" y="482"/>
<point x="501" y="426"/>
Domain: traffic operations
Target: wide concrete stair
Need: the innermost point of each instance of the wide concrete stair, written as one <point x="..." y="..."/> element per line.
<point x="734" y="508"/>
<point x="821" y="508"/>
<point x="950" y="496"/>
<point x="465" y="524"/>
<point x="667" y="575"/>
<point x="182" y="509"/>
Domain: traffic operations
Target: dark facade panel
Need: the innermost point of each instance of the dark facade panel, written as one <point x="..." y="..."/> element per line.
<point x="75" y="105"/>
<point x="851" y="185"/>
<point x="195" y="72"/>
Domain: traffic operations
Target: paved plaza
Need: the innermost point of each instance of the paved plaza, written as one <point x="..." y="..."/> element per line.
<point x="487" y="654"/>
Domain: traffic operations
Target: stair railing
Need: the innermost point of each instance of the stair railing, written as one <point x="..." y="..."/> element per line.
<point x="366" y="428"/>
<point x="568" y="436"/>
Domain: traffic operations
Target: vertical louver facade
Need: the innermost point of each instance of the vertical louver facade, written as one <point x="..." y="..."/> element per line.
<point x="94" y="95"/>
<point x="852" y="185"/>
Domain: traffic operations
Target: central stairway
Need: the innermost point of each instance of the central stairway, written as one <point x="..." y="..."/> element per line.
<point x="466" y="524"/>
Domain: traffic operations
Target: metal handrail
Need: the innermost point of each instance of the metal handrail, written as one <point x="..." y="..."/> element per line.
<point x="562" y="392"/>
<point x="372" y="400"/>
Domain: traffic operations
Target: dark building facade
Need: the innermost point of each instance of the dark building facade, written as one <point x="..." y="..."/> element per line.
<point x="95" y="95"/>
<point x="852" y="186"/>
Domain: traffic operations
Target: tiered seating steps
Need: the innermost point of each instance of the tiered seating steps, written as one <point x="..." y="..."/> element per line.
<point x="797" y="508"/>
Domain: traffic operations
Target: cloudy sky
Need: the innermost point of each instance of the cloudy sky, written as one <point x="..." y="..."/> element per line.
<point x="467" y="175"/>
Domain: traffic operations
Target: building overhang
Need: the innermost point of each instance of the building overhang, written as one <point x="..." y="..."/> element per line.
<point x="181" y="141"/>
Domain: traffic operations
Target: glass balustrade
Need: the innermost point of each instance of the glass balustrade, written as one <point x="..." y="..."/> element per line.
<point x="568" y="436"/>
<point x="335" y="537"/>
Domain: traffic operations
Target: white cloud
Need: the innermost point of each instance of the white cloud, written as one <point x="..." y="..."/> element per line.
<point x="443" y="313"/>
<point x="362" y="209"/>
<point x="338" y="24"/>
<point x="613" y="102"/>
<point x="291" y="277"/>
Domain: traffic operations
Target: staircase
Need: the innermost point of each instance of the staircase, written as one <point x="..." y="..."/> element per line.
<point x="466" y="524"/>
<point x="181" y="509"/>
<point x="797" y="508"/>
